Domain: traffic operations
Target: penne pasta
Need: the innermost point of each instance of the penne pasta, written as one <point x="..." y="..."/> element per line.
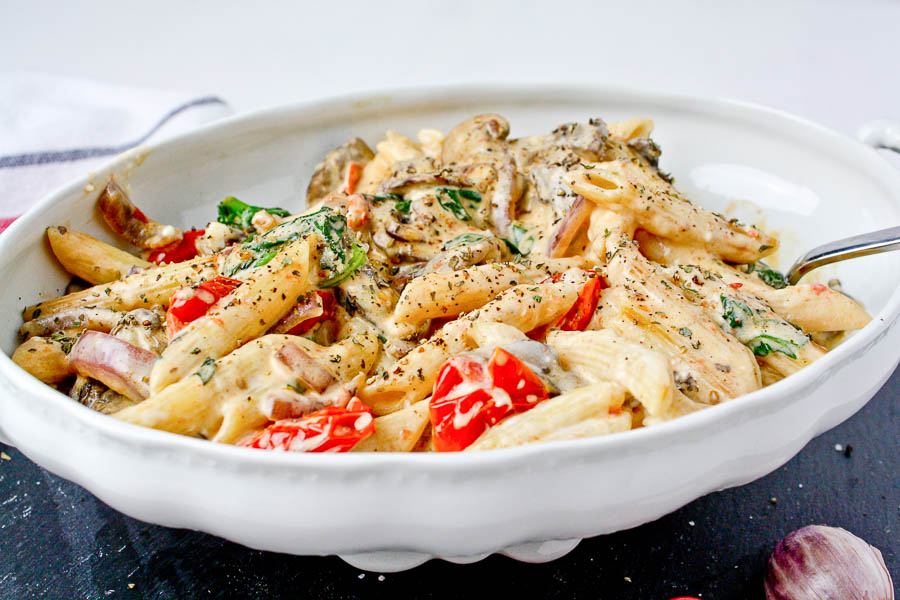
<point x="227" y="398"/>
<point x="397" y="432"/>
<point x="812" y="307"/>
<point x="598" y="356"/>
<point x="646" y="307"/>
<point x="89" y="258"/>
<point x="657" y="207"/>
<point x="595" y="400"/>
<point x="247" y="312"/>
<point x="140" y="290"/>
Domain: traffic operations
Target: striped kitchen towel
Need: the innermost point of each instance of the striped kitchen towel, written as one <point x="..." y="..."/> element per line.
<point x="53" y="129"/>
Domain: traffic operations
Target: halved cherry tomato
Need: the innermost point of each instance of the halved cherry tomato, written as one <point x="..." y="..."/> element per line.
<point x="581" y="312"/>
<point x="329" y="309"/>
<point x="470" y="397"/>
<point x="354" y="172"/>
<point x="190" y="303"/>
<point x="180" y="251"/>
<point x="357" y="211"/>
<point x="332" y="429"/>
<point x="510" y="374"/>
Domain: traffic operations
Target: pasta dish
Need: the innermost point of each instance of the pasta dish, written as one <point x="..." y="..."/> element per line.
<point x="467" y="291"/>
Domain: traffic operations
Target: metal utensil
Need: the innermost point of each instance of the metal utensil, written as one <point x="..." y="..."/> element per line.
<point x="875" y="242"/>
<point x="883" y="133"/>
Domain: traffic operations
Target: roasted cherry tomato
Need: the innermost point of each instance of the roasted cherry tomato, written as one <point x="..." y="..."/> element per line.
<point x="510" y="374"/>
<point x="329" y="310"/>
<point x="190" y="303"/>
<point x="354" y="172"/>
<point x="581" y="312"/>
<point x="331" y="429"/>
<point x="180" y="251"/>
<point x="469" y="397"/>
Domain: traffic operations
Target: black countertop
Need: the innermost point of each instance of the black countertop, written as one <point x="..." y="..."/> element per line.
<point x="58" y="541"/>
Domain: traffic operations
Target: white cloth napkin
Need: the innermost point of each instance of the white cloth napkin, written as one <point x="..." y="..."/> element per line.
<point x="53" y="129"/>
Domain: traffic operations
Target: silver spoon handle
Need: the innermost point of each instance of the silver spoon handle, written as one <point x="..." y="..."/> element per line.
<point x="883" y="240"/>
<point x="883" y="133"/>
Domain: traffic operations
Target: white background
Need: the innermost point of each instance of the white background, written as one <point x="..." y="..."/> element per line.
<point x="833" y="62"/>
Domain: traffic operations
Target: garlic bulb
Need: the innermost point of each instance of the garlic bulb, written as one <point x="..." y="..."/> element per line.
<point x="826" y="563"/>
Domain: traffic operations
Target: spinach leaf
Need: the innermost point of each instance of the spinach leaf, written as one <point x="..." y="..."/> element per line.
<point x="522" y="241"/>
<point x="735" y="312"/>
<point x="463" y="240"/>
<point x="400" y="205"/>
<point x="763" y="345"/>
<point x="449" y="199"/>
<point x="331" y="225"/>
<point x="357" y="259"/>
<point x="770" y="276"/>
<point x="239" y="214"/>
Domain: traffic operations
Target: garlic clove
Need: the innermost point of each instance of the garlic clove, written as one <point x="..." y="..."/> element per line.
<point x="826" y="563"/>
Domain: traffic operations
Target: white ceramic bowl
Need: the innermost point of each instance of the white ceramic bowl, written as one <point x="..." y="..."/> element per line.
<point x="390" y="512"/>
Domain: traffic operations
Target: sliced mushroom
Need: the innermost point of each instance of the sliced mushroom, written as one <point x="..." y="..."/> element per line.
<point x="506" y="193"/>
<point x="330" y="173"/>
<point x="586" y="139"/>
<point x="568" y="227"/>
<point x="406" y="233"/>
<point x="143" y="327"/>
<point x="485" y="250"/>
<point x="127" y="220"/>
<point x="545" y="160"/>
<point x="97" y="396"/>
<point x="476" y="139"/>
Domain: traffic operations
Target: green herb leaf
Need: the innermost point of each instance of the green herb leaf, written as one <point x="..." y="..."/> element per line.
<point x="763" y="345"/>
<point x="685" y="332"/>
<point x="357" y="259"/>
<point x="522" y="241"/>
<point x="65" y="341"/>
<point x="448" y="198"/>
<point x="207" y="369"/>
<point x="770" y="276"/>
<point x="400" y="205"/>
<point x="297" y="387"/>
<point x="239" y="214"/>
<point x="735" y="312"/>
<point x="331" y="225"/>
<point x="463" y="240"/>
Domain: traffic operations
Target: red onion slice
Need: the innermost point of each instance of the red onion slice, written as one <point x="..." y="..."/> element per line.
<point x="123" y="367"/>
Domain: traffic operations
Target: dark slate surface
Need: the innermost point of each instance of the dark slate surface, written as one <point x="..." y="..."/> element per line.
<point x="58" y="541"/>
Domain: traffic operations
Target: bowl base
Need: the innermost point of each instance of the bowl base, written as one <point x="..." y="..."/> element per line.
<point x="390" y="561"/>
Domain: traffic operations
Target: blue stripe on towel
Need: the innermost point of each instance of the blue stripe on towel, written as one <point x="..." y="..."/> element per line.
<point x="53" y="156"/>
